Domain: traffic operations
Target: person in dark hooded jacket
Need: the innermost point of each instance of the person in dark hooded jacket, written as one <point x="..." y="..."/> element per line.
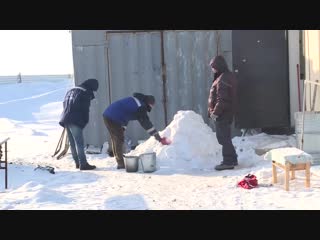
<point x="117" y="116"/>
<point x="75" y="117"/>
<point x="222" y="105"/>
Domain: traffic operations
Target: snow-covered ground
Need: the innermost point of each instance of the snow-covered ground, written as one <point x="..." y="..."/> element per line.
<point x="185" y="179"/>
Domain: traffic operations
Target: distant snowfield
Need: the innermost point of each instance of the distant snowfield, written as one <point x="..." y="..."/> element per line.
<point x="185" y="178"/>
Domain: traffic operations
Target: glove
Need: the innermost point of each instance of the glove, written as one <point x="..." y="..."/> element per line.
<point x="213" y="116"/>
<point x="165" y="141"/>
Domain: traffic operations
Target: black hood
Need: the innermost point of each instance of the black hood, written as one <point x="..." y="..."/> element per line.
<point x="219" y="64"/>
<point x="90" y="84"/>
<point x="147" y="99"/>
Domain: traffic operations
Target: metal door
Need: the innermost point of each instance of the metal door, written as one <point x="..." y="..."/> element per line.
<point x="260" y="61"/>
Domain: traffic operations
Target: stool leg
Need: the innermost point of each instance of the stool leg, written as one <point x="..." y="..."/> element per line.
<point x="287" y="175"/>
<point x="274" y="173"/>
<point x="293" y="174"/>
<point x="308" y="174"/>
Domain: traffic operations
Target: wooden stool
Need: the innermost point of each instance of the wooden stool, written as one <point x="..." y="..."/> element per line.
<point x="289" y="159"/>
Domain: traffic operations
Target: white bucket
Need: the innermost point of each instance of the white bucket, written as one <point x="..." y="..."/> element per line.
<point x="148" y="162"/>
<point x="131" y="163"/>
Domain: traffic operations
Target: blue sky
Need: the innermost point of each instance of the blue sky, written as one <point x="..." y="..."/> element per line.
<point x="34" y="52"/>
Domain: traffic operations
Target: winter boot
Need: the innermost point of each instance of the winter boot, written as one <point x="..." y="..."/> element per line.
<point x="224" y="166"/>
<point x="87" y="167"/>
<point x="121" y="166"/>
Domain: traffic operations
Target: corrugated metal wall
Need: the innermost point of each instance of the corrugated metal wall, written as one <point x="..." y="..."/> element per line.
<point x="134" y="65"/>
<point x="187" y="56"/>
<point x="89" y="62"/>
<point x="189" y="77"/>
<point x="88" y="37"/>
<point x="130" y="62"/>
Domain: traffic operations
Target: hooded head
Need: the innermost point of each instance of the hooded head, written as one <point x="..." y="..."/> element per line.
<point x="219" y="65"/>
<point x="149" y="100"/>
<point x="91" y="84"/>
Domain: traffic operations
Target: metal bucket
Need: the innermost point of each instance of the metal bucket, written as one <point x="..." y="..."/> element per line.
<point x="131" y="163"/>
<point x="148" y="162"/>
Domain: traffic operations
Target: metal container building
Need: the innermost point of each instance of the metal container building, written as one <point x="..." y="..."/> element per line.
<point x="174" y="67"/>
<point x="171" y="65"/>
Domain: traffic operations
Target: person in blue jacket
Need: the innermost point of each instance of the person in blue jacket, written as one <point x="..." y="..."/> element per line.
<point x="75" y="117"/>
<point x="117" y="116"/>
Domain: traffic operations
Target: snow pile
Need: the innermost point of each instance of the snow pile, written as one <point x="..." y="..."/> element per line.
<point x="194" y="144"/>
<point x="6" y="125"/>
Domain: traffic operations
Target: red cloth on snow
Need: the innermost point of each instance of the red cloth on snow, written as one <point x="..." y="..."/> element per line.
<point x="248" y="182"/>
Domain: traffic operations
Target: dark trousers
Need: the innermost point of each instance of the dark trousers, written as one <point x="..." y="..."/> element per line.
<point x="117" y="139"/>
<point x="223" y="132"/>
